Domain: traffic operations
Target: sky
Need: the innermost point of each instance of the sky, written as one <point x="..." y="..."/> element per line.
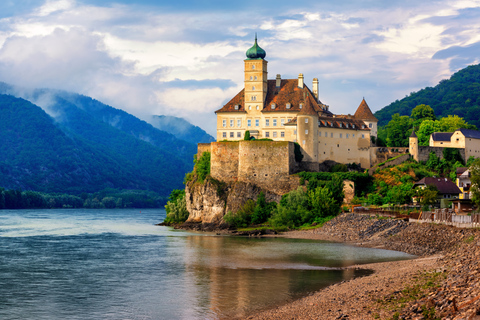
<point x="185" y="58"/>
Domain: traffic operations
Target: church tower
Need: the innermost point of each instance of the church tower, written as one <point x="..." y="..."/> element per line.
<point x="255" y="80"/>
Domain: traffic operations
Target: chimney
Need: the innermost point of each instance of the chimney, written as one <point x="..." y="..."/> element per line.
<point x="300" y="80"/>
<point x="315" y="88"/>
<point x="279" y="81"/>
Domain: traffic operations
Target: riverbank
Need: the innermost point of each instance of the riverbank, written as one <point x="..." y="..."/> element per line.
<point x="442" y="283"/>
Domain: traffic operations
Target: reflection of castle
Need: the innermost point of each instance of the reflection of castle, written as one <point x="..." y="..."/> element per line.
<point x="287" y="110"/>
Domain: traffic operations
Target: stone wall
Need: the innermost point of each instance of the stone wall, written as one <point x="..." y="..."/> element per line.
<point x="202" y="147"/>
<point x="224" y="160"/>
<point x="423" y="152"/>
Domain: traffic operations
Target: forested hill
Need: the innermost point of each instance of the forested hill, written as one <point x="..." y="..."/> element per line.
<point x="460" y="95"/>
<point x="181" y="129"/>
<point x="81" y="155"/>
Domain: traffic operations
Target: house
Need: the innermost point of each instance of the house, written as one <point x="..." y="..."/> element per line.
<point x="287" y="110"/>
<point x="446" y="188"/>
<point x="464" y="183"/>
<point x="461" y="138"/>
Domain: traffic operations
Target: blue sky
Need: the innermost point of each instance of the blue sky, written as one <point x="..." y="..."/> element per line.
<point x="185" y="58"/>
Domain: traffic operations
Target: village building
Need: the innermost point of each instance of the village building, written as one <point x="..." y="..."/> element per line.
<point x="287" y="110"/>
<point x="446" y="188"/>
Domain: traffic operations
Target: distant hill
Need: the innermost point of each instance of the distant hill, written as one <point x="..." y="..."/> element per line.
<point x="181" y="129"/>
<point x="91" y="146"/>
<point x="460" y="95"/>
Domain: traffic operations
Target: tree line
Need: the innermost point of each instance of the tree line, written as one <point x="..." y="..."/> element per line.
<point x="108" y="198"/>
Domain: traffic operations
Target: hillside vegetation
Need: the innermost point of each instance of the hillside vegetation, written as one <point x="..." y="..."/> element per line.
<point x="459" y="95"/>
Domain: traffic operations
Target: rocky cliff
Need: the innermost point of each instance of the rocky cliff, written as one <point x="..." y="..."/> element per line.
<point x="210" y="200"/>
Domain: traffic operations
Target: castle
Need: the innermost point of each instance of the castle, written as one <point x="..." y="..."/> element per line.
<point x="287" y="110"/>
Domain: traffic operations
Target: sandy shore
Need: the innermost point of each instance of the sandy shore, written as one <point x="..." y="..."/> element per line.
<point x="438" y="249"/>
<point x="357" y="298"/>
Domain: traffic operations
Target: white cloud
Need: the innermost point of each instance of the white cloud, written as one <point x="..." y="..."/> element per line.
<point x="123" y="55"/>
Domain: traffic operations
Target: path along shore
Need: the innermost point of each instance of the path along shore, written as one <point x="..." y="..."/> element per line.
<point x="443" y="283"/>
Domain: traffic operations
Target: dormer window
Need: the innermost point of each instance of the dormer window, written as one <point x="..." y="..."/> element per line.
<point x="273" y="106"/>
<point x="301" y="105"/>
<point x="331" y="124"/>
<point x="340" y="125"/>
<point x="289" y="105"/>
<point x="306" y="120"/>
<point x="353" y="126"/>
<point x="363" y="126"/>
<point x="236" y="107"/>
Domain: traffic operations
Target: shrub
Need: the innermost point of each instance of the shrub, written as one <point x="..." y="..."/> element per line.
<point x="176" y="207"/>
<point x="247" y="135"/>
<point x="243" y="217"/>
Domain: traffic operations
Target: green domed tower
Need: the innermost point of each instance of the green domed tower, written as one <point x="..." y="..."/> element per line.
<point x="255" y="80"/>
<point x="255" y="52"/>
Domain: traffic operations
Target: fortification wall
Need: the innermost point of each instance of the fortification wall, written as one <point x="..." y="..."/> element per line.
<point x="224" y="160"/>
<point x="202" y="147"/>
<point x="423" y="152"/>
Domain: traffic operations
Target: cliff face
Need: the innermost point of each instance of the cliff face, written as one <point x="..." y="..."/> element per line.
<point x="209" y="201"/>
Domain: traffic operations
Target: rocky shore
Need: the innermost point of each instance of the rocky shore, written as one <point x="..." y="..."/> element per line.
<point x="443" y="283"/>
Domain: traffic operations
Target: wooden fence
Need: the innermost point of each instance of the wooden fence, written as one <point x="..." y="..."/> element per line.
<point x="446" y="216"/>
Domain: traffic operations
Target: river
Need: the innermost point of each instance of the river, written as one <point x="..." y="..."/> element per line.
<point x="116" y="264"/>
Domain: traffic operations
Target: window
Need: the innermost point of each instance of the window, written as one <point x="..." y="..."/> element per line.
<point x="340" y="125"/>
<point x="249" y="123"/>
<point x="363" y="136"/>
<point x="274" y="134"/>
<point x="326" y="134"/>
<point x="267" y="134"/>
<point x="254" y="98"/>
<point x="253" y="88"/>
<point x="274" y="122"/>
<point x="288" y="105"/>
<point x="257" y="122"/>
<point x="258" y="107"/>
<point x="236" y="107"/>
<point x="239" y="134"/>
<point x="267" y="122"/>
<point x="347" y="135"/>
<point x="239" y="123"/>
<point x="232" y="123"/>
<point x="341" y="135"/>
<point x="369" y="125"/>
<point x="353" y="135"/>
<point x="306" y="120"/>
<point x="282" y="122"/>
<point x="301" y="105"/>
<point x="255" y="78"/>
<point x="224" y="123"/>
<point x="282" y="134"/>
<point x="251" y="78"/>
<point x="303" y="142"/>
<point x="231" y="134"/>
<point x="224" y="134"/>
<point x="253" y="66"/>
<point x="306" y="131"/>
<point x="273" y="105"/>
<point x="353" y="126"/>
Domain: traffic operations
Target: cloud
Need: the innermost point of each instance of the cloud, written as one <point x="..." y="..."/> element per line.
<point x="149" y="57"/>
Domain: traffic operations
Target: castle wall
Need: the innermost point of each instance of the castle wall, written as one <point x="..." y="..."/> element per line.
<point x="423" y="152"/>
<point x="202" y="147"/>
<point x="224" y="160"/>
<point x="344" y="146"/>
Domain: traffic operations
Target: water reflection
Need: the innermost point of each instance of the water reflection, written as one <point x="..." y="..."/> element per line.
<point x="235" y="276"/>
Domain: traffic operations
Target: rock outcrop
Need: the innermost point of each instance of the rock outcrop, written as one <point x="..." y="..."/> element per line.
<point x="210" y="200"/>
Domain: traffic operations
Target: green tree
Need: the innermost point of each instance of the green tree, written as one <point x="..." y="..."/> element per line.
<point x="475" y="178"/>
<point x="176" y="208"/>
<point x="243" y="217"/>
<point x="263" y="210"/>
<point x="427" y="196"/>
<point x="247" y="135"/>
<point x="421" y="113"/>
<point x="398" y="131"/>
<point x="424" y="131"/>
<point x="452" y="123"/>
<point x="322" y="204"/>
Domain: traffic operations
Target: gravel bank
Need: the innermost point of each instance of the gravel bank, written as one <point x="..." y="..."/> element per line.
<point x="444" y="283"/>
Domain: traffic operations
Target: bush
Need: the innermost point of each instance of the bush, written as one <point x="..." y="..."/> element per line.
<point x="202" y="166"/>
<point x="243" y="217"/>
<point x="247" y="135"/>
<point x="177" y="207"/>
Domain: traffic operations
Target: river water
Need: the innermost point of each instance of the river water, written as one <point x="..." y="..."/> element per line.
<point x="116" y="264"/>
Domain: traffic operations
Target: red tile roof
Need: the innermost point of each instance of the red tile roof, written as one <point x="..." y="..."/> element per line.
<point x="287" y="93"/>
<point x="364" y="113"/>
